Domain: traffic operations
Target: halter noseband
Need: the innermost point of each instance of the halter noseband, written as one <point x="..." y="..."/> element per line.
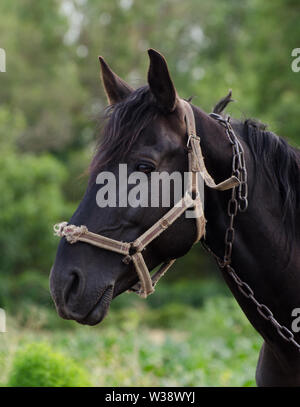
<point x="133" y="251"/>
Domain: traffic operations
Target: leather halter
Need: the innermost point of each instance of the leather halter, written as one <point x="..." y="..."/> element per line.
<point x="133" y="251"/>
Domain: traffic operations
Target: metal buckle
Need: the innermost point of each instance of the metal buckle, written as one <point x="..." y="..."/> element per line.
<point x="216" y="116"/>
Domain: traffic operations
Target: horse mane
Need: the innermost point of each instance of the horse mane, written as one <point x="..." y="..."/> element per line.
<point x="281" y="164"/>
<point x="124" y="123"/>
<point x="279" y="160"/>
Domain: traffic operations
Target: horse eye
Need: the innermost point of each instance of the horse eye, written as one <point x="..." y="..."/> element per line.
<point x="145" y="167"/>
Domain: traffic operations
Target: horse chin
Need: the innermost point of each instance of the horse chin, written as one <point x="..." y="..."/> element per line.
<point x="100" y="310"/>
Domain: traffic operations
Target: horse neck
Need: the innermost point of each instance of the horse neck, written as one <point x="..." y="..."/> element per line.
<point x="264" y="215"/>
<point x="261" y="255"/>
<point x="260" y="228"/>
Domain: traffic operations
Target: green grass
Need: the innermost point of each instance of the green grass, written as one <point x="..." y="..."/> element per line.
<point x="138" y="345"/>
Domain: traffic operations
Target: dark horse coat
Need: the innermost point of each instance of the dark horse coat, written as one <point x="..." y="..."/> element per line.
<point x="145" y="129"/>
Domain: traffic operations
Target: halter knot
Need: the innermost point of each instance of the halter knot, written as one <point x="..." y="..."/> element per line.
<point x="72" y="233"/>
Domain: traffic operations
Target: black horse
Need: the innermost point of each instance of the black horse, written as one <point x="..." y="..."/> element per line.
<point x="146" y="130"/>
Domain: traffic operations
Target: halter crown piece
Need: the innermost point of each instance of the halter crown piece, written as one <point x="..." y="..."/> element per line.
<point x="132" y="252"/>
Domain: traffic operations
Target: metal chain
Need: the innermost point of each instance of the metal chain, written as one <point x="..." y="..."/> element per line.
<point x="239" y="202"/>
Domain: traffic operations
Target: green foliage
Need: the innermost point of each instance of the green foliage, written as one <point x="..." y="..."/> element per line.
<point x="41" y="78"/>
<point x="178" y="345"/>
<point x="191" y="293"/>
<point x="32" y="287"/>
<point x="12" y="124"/>
<point x="31" y="203"/>
<point x="38" y="365"/>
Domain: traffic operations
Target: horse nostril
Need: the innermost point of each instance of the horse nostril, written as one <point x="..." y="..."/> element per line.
<point x="74" y="287"/>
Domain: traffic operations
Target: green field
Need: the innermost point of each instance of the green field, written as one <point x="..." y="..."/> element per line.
<point x="138" y="344"/>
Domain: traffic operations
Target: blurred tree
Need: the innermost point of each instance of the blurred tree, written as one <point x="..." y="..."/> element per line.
<point x="276" y="87"/>
<point x="41" y="78"/>
<point x="31" y="202"/>
<point x="53" y="74"/>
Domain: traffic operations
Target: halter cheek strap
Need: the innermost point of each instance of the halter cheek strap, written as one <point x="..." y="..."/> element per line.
<point x="132" y="252"/>
<point x="196" y="159"/>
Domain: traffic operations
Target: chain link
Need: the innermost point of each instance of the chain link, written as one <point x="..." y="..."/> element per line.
<point x="239" y="202"/>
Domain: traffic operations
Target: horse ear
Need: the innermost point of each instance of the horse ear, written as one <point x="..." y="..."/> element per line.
<point x="115" y="88"/>
<point x="222" y="104"/>
<point x="160" y="82"/>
